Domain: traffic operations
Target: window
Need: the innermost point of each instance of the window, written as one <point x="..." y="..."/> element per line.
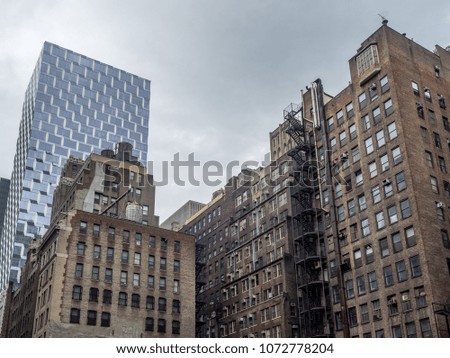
<point x="405" y="208"/>
<point x="151" y="261"/>
<point x="445" y="239"/>
<point x="440" y="213"/>
<point x="107" y="297"/>
<point x="396" y="155"/>
<point x="81" y="248"/>
<point x="149" y="324"/>
<point x="400" y="180"/>
<point x="384" y="160"/>
<point x="338" y="319"/>
<point x="137" y="258"/>
<point x="176" y="306"/>
<point x="83" y="227"/>
<point x="365" y="122"/>
<point x="95" y="273"/>
<point x="366" y="59"/>
<point x="176" y="286"/>
<point x="380" y="138"/>
<point x="362" y="202"/>
<point x="108" y="275"/>
<point x="349" y="291"/>
<point x="162" y="283"/>
<point x="384" y="247"/>
<point x="373" y="169"/>
<point x="74" y="315"/>
<point x="362" y="100"/>
<point x="97" y="253"/>
<point x="77" y="293"/>
<point x="176" y="266"/>
<point x="161" y="325"/>
<point x="175" y="327"/>
<point x="333" y="144"/>
<point x="152" y="242"/>
<point x="364" y="308"/>
<point x="93" y="294"/>
<point x="388" y="278"/>
<point x="442" y="165"/>
<point x="392" y="213"/>
<point x="427" y="94"/>
<point x="434" y="185"/>
<point x="392" y="131"/>
<point x="376" y="194"/>
<point x="388" y="190"/>
<point x="177" y="246"/>
<point x="338" y="190"/>
<point x="136" y="279"/>
<point x="369" y="145"/>
<point x="138" y="239"/>
<point x="402" y="274"/>
<point x="396" y="242"/>
<point x="388" y="108"/>
<point x="110" y="254"/>
<point x="342" y="138"/>
<point x="429" y="159"/>
<point x="106" y="319"/>
<point x="432" y="116"/>
<point x="358" y="177"/>
<point x="150" y="303"/>
<point x="373" y="284"/>
<point x="396" y="331"/>
<point x="126" y="236"/>
<point x="330" y="122"/>
<point x="425" y="328"/>
<point x="369" y="254"/>
<point x="341" y="212"/>
<point x="361" y="285"/>
<point x="163" y="244"/>
<point x="151" y="281"/>
<point x="96" y="230"/>
<point x="124" y="256"/>
<point x="410" y="237"/>
<point x="352" y="131"/>
<point x="365" y="227"/>
<point x="111" y="233"/>
<point x="336" y="294"/>
<point x="123" y="297"/>
<point x="357" y="258"/>
<point x="349" y="110"/>
<point x="352" y="317"/>
<point x="416" y="269"/>
<point x="376" y="113"/>
<point x="91" y="318"/>
<point x="340" y="117"/>
<point x="351" y="207"/>
<point x="420" y="112"/>
<point x="437" y="140"/>
<point x="355" y="154"/>
<point x="379" y="217"/>
<point x="163" y="263"/>
<point x="123" y="277"/>
<point x="135" y="300"/>
<point x="376" y="310"/>
<point x="415" y="88"/>
<point x="384" y="84"/>
<point x="446" y="123"/>
<point x="447" y="188"/>
<point x="162" y="304"/>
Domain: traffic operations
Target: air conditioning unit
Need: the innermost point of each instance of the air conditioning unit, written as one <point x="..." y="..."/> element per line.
<point x="419" y="105"/>
<point x="213" y="314"/>
<point x="344" y="156"/>
<point x="387" y="182"/>
<point x="292" y="304"/>
<point x="317" y="265"/>
<point x="439" y="204"/>
<point x="241" y="319"/>
<point x="376" y="314"/>
<point x="392" y="301"/>
<point x="405" y="297"/>
<point x="251" y="335"/>
<point x="269" y="295"/>
<point x="373" y="86"/>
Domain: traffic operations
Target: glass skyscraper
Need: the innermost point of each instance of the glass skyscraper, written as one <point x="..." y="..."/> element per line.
<point x="73" y="106"/>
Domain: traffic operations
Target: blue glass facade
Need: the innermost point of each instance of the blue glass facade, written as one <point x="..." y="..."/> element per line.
<point x="73" y="106"/>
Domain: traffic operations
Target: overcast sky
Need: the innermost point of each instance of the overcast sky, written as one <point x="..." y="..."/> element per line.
<point x="221" y="71"/>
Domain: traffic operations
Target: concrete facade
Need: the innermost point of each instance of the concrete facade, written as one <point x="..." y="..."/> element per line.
<point x="176" y="221"/>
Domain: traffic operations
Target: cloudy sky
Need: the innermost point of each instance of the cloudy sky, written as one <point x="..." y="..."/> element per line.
<point x="221" y="71"/>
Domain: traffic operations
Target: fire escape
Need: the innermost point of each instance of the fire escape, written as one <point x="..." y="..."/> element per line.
<point x="200" y="282"/>
<point x="313" y="293"/>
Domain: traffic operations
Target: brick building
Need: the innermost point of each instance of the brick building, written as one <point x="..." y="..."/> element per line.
<point x="103" y="269"/>
<point x="379" y="202"/>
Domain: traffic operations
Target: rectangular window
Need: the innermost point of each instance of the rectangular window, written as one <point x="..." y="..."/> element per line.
<point x="384" y="247"/>
<point x="176" y="266"/>
<point x="392" y="213"/>
<point x="376" y="194"/>
<point x="111" y="233"/>
<point x="91" y="318"/>
<point x="402" y="274"/>
<point x="149" y="324"/>
<point x="396" y="155"/>
<point x="123" y="298"/>
<point x="352" y="317"/>
<point x="106" y="319"/>
<point x="83" y="227"/>
<point x="388" y="108"/>
<point x="352" y="131"/>
<point x="384" y="84"/>
<point x="415" y="88"/>
<point x="95" y="272"/>
<point x="384" y="160"/>
<point x="429" y="159"/>
<point x="369" y="254"/>
<point x="364" y="308"/>
<point x="151" y="261"/>
<point x="362" y="100"/>
<point x="330" y="122"/>
<point x="373" y="284"/>
<point x="137" y="259"/>
<point x="373" y="169"/>
<point x="97" y="253"/>
<point x="163" y="263"/>
<point x="405" y="208"/>
<point x="358" y="177"/>
<point x="369" y="145"/>
<point x="126" y="237"/>
<point x="379" y="217"/>
<point x="77" y="292"/>
<point x="338" y="190"/>
<point x="162" y="283"/>
<point x="437" y="140"/>
<point x="136" y="279"/>
<point x="177" y="245"/>
<point x="366" y="59"/>
<point x="107" y="297"/>
<point x="445" y="239"/>
<point x="357" y="258"/>
<point x="151" y="281"/>
<point x="365" y="227"/>
<point x="396" y="242"/>
<point x="416" y="269"/>
<point x="340" y="117"/>
<point x="365" y="122"/>
<point x="163" y="244"/>
<point x="150" y="303"/>
<point x="362" y="202"/>
<point x="349" y="291"/>
<point x="388" y="277"/>
<point x="81" y="248"/>
<point x="380" y="138"/>
<point x="333" y="144"/>
<point x="123" y="277"/>
<point x="355" y="154"/>
<point x="74" y="315"/>
<point x="349" y="110"/>
<point x="351" y="207"/>
<point x="124" y="258"/>
<point x="446" y="123"/>
<point x="108" y="275"/>
<point x="135" y="300"/>
<point x="400" y="180"/>
<point x="176" y="286"/>
<point x="392" y="131"/>
<point x="96" y="230"/>
<point x="342" y="138"/>
<point x="361" y="285"/>
<point x="425" y="328"/>
<point x="388" y="189"/>
<point x="376" y="113"/>
<point x="410" y="236"/>
<point x="442" y="165"/>
<point x="341" y="213"/>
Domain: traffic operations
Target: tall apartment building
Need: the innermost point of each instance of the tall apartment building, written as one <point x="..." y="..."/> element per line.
<point x="74" y="105"/>
<point x="178" y="218"/>
<point x="377" y="208"/>
<point x="245" y="264"/>
<point x="102" y="269"/>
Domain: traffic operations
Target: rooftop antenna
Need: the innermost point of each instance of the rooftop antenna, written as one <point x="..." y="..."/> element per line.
<point x="385" y="21"/>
